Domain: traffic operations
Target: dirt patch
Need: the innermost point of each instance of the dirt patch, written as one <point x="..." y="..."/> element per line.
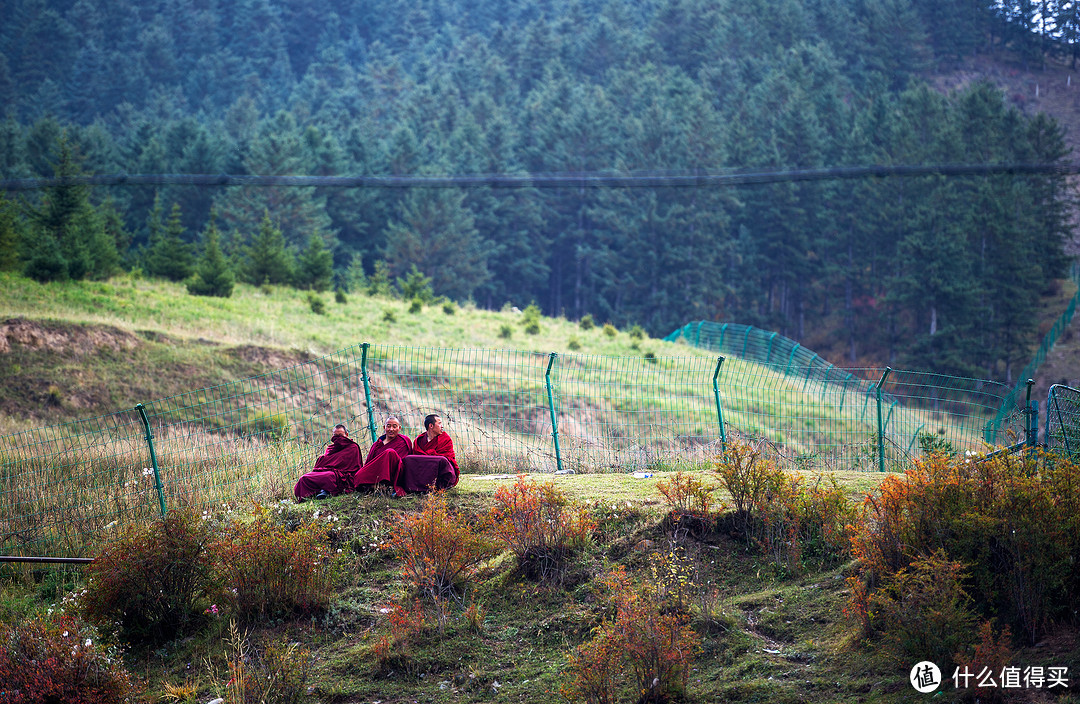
<point x="267" y="357"/>
<point x="58" y="337"/>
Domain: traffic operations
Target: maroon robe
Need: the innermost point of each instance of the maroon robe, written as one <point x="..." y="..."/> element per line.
<point x="333" y="471"/>
<point x="383" y="463"/>
<point x="432" y="464"/>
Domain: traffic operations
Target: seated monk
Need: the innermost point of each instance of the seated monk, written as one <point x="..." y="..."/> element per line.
<point x="432" y="464"/>
<point x="383" y="462"/>
<point x="333" y="471"/>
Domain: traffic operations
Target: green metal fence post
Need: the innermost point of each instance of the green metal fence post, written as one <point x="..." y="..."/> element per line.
<point x="697" y="337"/>
<point x="881" y="426"/>
<point x="367" y="390"/>
<point x="1031" y="408"/>
<point x="794" y="349"/>
<point x="768" y="352"/>
<point x="719" y="410"/>
<point x="551" y="407"/>
<point x="746" y="340"/>
<point x="809" y="370"/>
<point x="723" y="330"/>
<point x="153" y="458"/>
<point x="1033" y="428"/>
<point x="915" y="437"/>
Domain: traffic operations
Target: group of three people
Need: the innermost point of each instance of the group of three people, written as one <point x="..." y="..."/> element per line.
<point x="393" y="461"/>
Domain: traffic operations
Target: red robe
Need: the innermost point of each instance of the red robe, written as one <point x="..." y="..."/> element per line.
<point x="383" y="462"/>
<point x="333" y="471"/>
<point x="431" y="464"/>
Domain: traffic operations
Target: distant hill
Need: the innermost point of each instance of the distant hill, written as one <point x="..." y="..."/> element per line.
<point x="928" y="272"/>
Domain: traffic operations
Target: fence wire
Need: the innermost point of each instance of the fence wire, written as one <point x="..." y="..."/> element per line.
<point x="1063" y="420"/>
<point x="64" y="487"/>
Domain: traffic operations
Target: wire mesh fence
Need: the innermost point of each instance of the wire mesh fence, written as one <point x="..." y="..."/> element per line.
<point x="920" y="410"/>
<point x="507" y="411"/>
<point x="1063" y="420"/>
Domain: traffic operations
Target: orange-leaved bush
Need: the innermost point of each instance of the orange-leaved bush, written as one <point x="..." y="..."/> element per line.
<point x="794" y="520"/>
<point x="644" y="651"/>
<point x="540" y="525"/>
<point x="1013" y="522"/>
<point x="438" y="548"/>
<point x="152" y="580"/>
<point x="60" y="659"/>
<point x="690" y="503"/>
<point x="269" y="568"/>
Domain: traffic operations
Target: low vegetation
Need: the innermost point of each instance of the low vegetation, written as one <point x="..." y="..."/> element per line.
<point x="734" y="582"/>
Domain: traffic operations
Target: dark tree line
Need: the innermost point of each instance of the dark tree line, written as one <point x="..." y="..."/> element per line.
<point x="939" y="273"/>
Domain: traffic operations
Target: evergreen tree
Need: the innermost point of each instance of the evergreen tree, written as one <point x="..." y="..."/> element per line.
<point x="9" y="235"/>
<point x="279" y="149"/>
<point x="66" y="220"/>
<point x="112" y="221"/>
<point x="213" y="276"/>
<point x="436" y="233"/>
<point x="169" y="255"/>
<point x="155" y="230"/>
<point x="46" y="262"/>
<point x="267" y="259"/>
<point x="315" y="266"/>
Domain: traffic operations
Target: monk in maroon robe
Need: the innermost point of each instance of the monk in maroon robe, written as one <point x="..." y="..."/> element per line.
<point x="432" y="464"/>
<point x="333" y="472"/>
<point x="383" y="463"/>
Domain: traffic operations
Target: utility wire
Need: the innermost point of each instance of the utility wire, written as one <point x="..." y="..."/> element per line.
<point x="592" y="179"/>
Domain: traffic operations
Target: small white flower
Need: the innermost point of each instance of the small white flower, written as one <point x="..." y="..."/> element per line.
<point x="65" y="634"/>
<point x="88" y="642"/>
<point x="146" y="471"/>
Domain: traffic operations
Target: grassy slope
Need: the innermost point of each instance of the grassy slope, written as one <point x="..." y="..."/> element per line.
<point x="151" y="339"/>
<point x="767" y="636"/>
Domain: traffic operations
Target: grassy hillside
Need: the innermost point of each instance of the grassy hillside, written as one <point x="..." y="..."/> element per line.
<point x="770" y="630"/>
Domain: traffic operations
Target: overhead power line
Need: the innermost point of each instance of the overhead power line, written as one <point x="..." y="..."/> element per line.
<point x="592" y="179"/>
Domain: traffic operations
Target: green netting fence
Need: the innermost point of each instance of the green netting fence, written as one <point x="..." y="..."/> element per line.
<point x="63" y="486"/>
<point x="1063" y="420"/>
<point x="1013" y="399"/>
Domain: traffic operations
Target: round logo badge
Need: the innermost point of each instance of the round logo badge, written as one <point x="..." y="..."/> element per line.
<point x="925" y="677"/>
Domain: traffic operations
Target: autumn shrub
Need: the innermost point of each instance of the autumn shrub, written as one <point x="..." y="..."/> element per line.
<point x="595" y="668"/>
<point x="642" y="653"/>
<point x="269" y="673"/>
<point x="540" y="525"/>
<point x="800" y="522"/>
<point x="923" y="611"/>
<point x="690" y="504"/>
<point x="795" y="521"/>
<point x="268" y="568"/>
<point x="59" y="659"/>
<point x="152" y="580"/>
<point x="673" y="580"/>
<point x="1012" y="521"/>
<point x="438" y="549"/>
<point x="395" y="647"/>
<point x="745" y="473"/>
<point x="991" y="653"/>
